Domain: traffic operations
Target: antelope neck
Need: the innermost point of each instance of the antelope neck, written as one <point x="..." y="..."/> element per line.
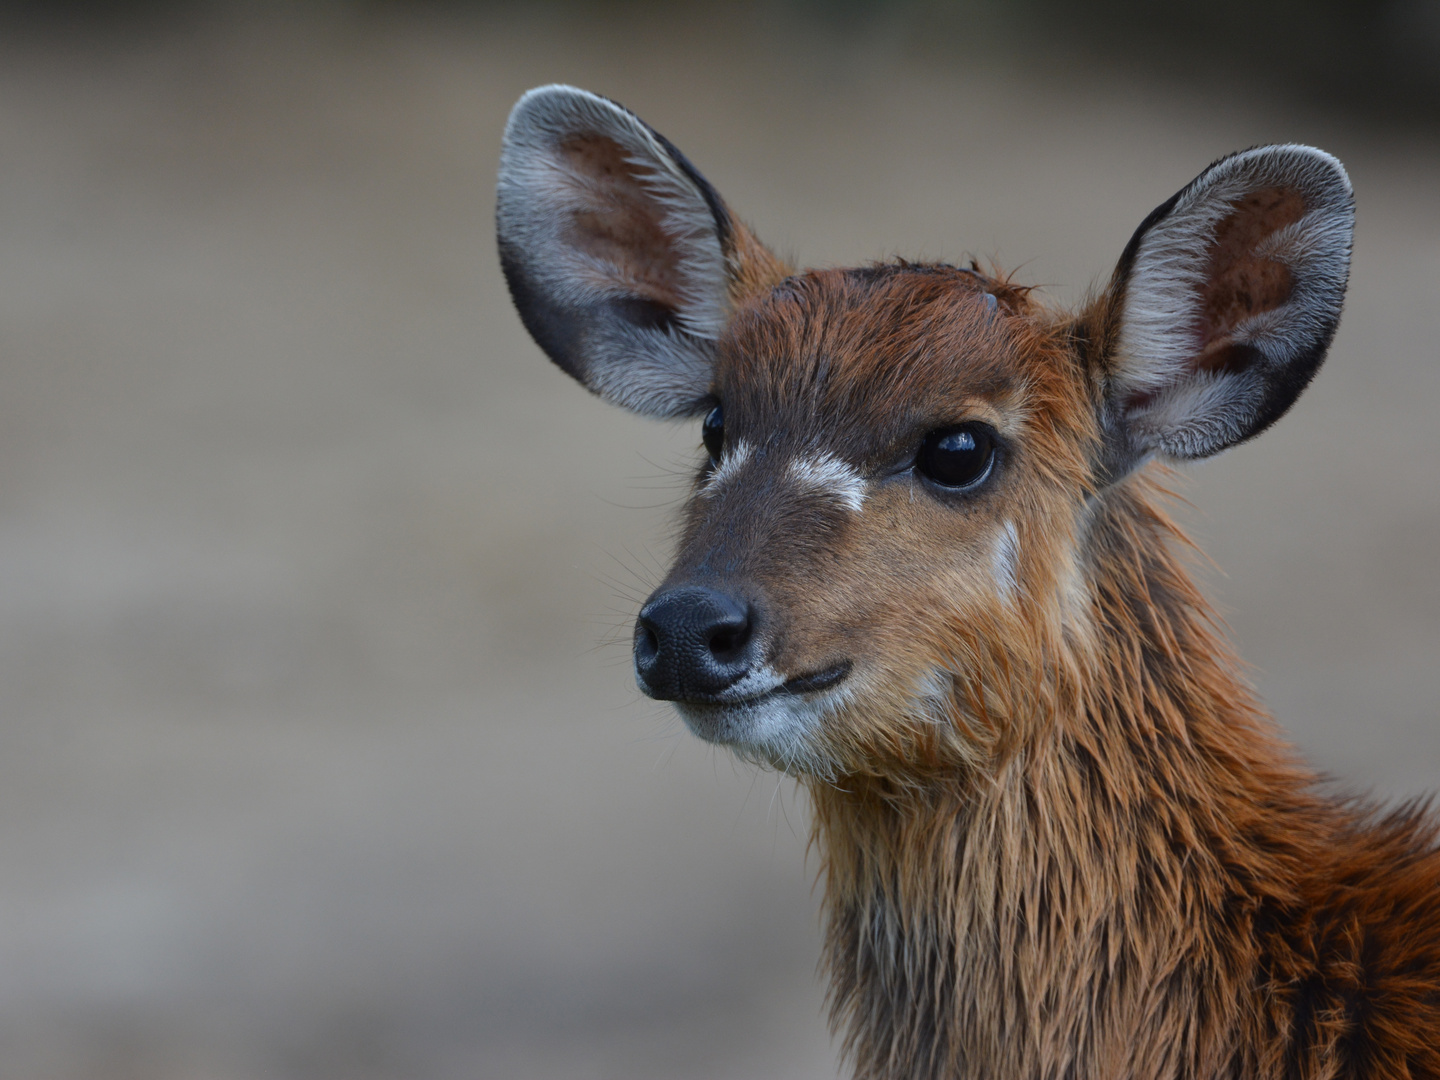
<point x="1045" y="916"/>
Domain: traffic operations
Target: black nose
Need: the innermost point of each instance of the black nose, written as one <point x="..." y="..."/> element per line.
<point x="692" y="642"/>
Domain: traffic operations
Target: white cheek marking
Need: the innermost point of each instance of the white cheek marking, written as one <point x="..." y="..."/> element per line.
<point x="830" y="476"/>
<point x="1003" y="562"/>
<point x="732" y="461"/>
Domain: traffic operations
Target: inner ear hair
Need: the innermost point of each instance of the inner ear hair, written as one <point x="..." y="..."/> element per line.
<point x="637" y="233"/>
<point x="1223" y="304"/>
<point x="1248" y="274"/>
<point x="624" y="263"/>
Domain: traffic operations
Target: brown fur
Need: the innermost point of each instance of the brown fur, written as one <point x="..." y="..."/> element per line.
<point x="750" y="265"/>
<point x="1090" y="855"/>
<point x="1060" y="838"/>
<point x="1242" y="283"/>
<point x="1137" y="881"/>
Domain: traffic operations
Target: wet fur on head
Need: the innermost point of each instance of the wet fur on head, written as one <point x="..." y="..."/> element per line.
<point x="1060" y="839"/>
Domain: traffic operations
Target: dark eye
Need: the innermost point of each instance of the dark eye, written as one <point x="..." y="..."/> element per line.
<point x="712" y="433"/>
<point x="957" y="457"/>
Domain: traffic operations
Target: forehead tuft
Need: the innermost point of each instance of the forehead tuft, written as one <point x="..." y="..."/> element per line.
<point x="920" y="281"/>
<point x="876" y="347"/>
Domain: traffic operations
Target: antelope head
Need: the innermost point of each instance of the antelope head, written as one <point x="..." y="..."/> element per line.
<point x="904" y="465"/>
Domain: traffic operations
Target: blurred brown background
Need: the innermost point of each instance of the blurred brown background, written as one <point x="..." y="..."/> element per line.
<point x="320" y="756"/>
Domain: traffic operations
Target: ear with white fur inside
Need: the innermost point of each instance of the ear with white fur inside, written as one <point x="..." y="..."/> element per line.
<point x="614" y="248"/>
<point x="1226" y="298"/>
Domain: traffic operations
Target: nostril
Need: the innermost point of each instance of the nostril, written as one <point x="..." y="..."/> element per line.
<point x="647" y="644"/>
<point x="727" y="639"/>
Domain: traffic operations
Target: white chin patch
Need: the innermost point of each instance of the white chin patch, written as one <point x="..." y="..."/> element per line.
<point x="781" y="729"/>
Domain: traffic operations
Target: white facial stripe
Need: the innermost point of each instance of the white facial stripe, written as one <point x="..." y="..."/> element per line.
<point x="1003" y="563"/>
<point x="824" y="474"/>
<point x="829" y="475"/>
<point x="734" y="459"/>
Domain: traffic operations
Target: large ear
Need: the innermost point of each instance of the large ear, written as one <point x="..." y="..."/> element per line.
<point x="621" y="258"/>
<point x="1224" y="303"/>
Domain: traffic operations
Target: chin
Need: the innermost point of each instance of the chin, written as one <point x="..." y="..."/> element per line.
<point x="784" y="731"/>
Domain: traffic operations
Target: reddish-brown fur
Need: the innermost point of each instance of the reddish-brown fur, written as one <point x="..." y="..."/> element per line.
<point x="1104" y="862"/>
<point x="1060" y="838"/>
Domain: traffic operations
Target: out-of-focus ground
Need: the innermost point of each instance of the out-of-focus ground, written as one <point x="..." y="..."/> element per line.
<point x="310" y="764"/>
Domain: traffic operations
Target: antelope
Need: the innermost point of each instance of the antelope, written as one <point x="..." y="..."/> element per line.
<point x="926" y="568"/>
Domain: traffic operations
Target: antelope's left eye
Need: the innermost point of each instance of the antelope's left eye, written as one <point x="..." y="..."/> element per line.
<point x="712" y="433"/>
<point x="958" y="457"/>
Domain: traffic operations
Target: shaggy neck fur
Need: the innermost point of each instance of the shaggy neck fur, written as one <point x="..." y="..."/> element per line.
<point x="1107" y="894"/>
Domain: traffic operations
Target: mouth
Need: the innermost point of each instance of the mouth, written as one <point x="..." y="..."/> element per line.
<point x="770" y="719"/>
<point x="819" y="680"/>
<point x="760" y="687"/>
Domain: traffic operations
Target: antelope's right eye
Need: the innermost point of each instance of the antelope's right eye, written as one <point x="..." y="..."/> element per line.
<point x="958" y="458"/>
<point x="712" y="433"/>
